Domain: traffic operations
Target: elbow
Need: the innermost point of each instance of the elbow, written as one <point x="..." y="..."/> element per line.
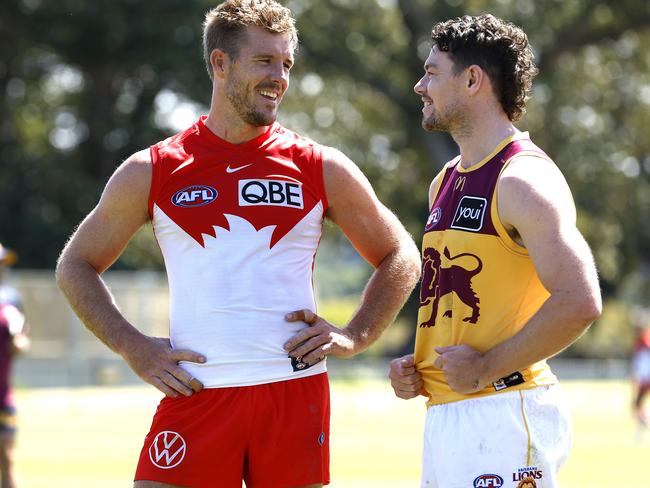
<point x="413" y="263"/>
<point x="59" y="274"/>
<point x="62" y="271"/>
<point x="589" y="310"/>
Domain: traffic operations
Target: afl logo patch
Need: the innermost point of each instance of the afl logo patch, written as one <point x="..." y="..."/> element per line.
<point x="167" y="449"/>
<point x="194" y="196"/>
<point x="434" y="218"/>
<point x="488" y="481"/>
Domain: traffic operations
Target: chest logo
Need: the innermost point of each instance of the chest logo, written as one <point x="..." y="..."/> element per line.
<point x="446" y="274"/>
<point x="459" y="184"/>
<point x="194" y="196"/>
<point x="469" y="214"/>
<point x="277" y="193"/>
<point x="237" y="168"/>
<point x="434" y="218"/>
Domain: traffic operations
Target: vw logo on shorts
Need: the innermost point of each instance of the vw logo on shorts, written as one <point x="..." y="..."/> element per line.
<point x="167" y="449"/>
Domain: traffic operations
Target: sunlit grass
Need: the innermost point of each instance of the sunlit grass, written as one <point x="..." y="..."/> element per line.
<point x="91" y="437"/>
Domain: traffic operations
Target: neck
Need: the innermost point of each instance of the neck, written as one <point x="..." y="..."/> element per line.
<point x="478" y="140"/>
<point x="232" y="129"/>
<point x="226" y="123"/>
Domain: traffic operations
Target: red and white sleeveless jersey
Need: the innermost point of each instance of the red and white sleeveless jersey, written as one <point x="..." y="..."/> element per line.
<point x="238" y="226"/>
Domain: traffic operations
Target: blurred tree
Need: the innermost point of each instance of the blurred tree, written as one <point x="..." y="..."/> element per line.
<point x="85" y="84"/>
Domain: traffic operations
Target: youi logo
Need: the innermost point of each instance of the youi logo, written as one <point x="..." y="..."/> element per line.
<point x="194" y="196"/>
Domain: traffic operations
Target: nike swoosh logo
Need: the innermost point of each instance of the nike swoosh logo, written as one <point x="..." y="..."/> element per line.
<point x="233" y="170"/>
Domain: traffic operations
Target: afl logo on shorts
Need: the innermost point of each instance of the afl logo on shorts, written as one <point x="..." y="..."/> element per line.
<point x="194" y="196"/>
<point x="167" y="449"/>
<point x="434" y="218"/>
<point x="488" y="481"/>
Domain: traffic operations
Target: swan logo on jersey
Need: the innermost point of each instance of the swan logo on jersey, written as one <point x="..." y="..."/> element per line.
<point x="194" y="196"/>
<point x="277" y="193"/>
<point x="469" y="214"/>
<point x="167" y="449"/>
<point x="488" y="481"/>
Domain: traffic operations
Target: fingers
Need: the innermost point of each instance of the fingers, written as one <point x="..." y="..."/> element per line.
<point x="439" y="362"/>
<point x="300" y="344"/>
<point x="406" y="391"/>
<point x="304" y="315"/>
<point x="159" y="384"/>
<point x="175" y="384"/>
<point x="403" y="366"/>
<point x="404" y="378"/>
<point x="195" y="384"/>
<point x="187" y="355"/>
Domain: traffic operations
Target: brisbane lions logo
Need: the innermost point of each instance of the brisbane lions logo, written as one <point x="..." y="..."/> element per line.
<point x="442" y="277"/>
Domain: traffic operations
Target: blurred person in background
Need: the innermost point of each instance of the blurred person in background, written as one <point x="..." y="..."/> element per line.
<point x="13" y="341"/>
<point x="237" y="204"/>
<point x="641" y="363"/>
<point x="507" y="279"/>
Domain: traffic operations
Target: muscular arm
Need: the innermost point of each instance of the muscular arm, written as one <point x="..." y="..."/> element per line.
<point x="536" y="206"/>
<point x="381" y="240"/>
<point x="93" y="248"/>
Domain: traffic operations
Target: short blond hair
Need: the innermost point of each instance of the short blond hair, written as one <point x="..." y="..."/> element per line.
<point x="224" y="26"/>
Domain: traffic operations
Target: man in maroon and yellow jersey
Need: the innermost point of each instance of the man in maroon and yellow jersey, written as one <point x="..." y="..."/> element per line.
<point x="507" y="279"/>
<point x="13" y="341"/>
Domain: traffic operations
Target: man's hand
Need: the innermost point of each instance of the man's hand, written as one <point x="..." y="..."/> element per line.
<point x="463" y="367"/>
<point x="320" y="339"/>
<point x="154" y="360"/>
<point x="404" y="378"/>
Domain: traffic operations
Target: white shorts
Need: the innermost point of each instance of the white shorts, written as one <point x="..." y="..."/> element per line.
<point x="516" y="439"/>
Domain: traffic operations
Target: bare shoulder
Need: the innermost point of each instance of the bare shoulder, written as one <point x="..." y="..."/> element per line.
<point x="134" y="174"/>
<point x="433" y="188"/>
<point x="337" y="165"/>
<point x="533" y="189"/>
<point x="343" y="178"/>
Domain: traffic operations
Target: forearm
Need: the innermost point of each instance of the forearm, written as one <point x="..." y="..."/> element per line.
<point x="386" y="292"/>
<point x="556" y="325"/>
<point x="93" y="303"/>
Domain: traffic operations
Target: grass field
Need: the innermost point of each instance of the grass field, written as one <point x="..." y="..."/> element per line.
<point x="91" y="437"/>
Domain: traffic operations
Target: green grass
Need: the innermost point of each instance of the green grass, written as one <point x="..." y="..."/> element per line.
<point x="91" y="437"/>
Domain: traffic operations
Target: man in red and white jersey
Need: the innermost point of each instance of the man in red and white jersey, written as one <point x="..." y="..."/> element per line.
<point x="237" y="204"/>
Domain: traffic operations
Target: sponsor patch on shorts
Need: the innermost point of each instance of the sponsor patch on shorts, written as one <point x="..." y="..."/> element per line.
<point x="488" y="480"/>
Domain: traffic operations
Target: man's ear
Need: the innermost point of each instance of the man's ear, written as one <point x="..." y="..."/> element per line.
<point x="474" y="77"/>
<point x="219" y="61"/>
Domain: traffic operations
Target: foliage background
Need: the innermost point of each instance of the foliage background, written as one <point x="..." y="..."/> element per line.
<point x="85" y="84"/>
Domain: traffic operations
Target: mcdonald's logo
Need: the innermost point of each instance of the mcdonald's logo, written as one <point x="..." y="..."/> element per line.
<point x="460" y="183"/>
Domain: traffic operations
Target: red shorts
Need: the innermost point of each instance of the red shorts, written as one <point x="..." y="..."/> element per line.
<point x="274" y="435"/>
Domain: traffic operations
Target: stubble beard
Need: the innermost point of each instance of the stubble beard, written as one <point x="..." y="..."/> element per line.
<point x="450" y="121"/>
<point x="237" y="94"/>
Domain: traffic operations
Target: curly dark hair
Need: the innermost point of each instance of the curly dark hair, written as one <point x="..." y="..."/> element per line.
<point x="498" y="47"/>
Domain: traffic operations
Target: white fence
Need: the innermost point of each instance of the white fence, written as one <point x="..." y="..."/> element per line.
<point x="64" y="353"/>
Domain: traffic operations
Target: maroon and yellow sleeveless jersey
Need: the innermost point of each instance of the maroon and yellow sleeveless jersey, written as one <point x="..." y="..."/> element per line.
<point x="479" y="287"/>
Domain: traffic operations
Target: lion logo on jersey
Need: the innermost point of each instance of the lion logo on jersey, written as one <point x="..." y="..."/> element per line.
<point x="527" y="483"/>
<point x="440" y="278"/>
